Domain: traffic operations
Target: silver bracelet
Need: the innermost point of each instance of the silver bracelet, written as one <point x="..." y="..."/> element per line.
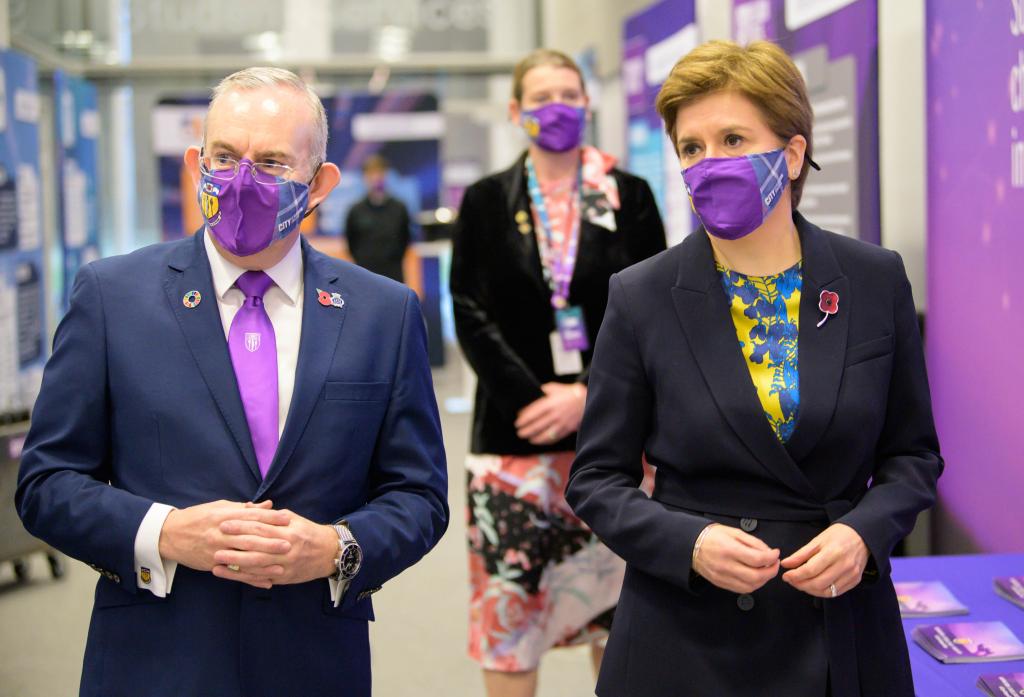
<point x="697" y="544"/>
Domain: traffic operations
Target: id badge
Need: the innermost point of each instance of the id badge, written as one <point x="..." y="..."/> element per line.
<point x="564" y="362"/>
<point x="572" y="328"/>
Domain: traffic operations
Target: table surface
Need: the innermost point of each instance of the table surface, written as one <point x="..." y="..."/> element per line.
<point x="969" y="577"/>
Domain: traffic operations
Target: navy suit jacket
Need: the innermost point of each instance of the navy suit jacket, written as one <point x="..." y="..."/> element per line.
<point x="139" y="404"/>
<point x="669" y="380"/>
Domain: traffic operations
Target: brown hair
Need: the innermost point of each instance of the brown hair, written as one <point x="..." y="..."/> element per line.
<point x="537" y="58"/>
<point x="375" y="163"/>
<point x="762" y="72"/>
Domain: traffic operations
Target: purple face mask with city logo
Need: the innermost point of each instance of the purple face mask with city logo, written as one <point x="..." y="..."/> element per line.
<point x="732" y="196"/>
<point x="246" y="216"/>
<point x="555" y="127"/>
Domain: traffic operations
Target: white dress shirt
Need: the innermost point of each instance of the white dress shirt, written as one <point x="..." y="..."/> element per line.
<point x="283" y="302"/>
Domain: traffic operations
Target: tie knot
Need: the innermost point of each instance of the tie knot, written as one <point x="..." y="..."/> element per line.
<point x="254" y="284"/>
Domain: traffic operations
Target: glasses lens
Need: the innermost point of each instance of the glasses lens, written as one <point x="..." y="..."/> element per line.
<point x="221" y="166"/>
<point x="268" y="173"/>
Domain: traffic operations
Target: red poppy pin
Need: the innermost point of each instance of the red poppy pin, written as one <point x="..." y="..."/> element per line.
<point x="324" y="297"/>
<point x="829" y="304"/>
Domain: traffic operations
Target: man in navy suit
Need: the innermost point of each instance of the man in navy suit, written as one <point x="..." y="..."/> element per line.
<point x="239" y="433"/>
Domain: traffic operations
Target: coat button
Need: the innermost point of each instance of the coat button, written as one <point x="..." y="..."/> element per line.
<point x="745" y="602"/>
<point x="748" y="524"/>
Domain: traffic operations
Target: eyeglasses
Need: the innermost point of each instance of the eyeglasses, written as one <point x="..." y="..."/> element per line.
<point x="225" y="168"/>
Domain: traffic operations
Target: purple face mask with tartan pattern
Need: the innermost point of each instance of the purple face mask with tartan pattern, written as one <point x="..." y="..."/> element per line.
<point x="732" y="196"/>
<point x="246" y="216"/>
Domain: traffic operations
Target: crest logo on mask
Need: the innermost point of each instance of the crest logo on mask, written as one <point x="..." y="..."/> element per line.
<point x="210" y="203"/>
<point x="532" y="126"/>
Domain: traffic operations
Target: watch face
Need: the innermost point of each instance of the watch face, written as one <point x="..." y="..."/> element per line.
<point x="351" y="560"/>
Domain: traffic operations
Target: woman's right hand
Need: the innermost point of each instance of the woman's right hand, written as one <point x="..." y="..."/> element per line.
<point x="731" y="559"/>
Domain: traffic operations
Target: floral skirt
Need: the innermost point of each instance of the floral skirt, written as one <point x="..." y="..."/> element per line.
<point x="539" y="577"/>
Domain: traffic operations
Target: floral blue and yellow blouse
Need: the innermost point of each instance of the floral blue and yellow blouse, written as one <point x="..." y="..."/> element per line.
<point x="766" y="312"/>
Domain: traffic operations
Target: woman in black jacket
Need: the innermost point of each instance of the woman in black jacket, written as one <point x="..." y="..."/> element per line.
<point x="534" y="247"/>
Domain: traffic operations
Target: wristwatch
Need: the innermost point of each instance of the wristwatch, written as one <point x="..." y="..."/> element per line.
<point x="350" y="554"/>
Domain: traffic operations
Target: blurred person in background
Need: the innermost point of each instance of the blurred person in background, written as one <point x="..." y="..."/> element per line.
<point x="239" y="433"/>
<point x="773" y="374"/>
<point x="378" y="229"/>
<point x="533" y="249"/>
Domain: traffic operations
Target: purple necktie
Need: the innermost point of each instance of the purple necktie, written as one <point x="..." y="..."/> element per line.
<point x="254" y="355"/>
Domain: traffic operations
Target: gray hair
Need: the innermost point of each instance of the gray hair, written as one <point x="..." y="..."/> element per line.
<point x="257" y="78"/>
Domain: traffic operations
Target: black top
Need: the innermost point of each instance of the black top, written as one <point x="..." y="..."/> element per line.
<point x="669" y="382"/>
<point x="502" y="305"/>
<point x="378" y="235"/>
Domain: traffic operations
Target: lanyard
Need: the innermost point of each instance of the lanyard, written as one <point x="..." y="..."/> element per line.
<point x="557" y="272"/>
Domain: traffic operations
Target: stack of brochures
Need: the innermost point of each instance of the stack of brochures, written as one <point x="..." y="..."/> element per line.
<point x="969" y="642"/>
<point x="1003" y="685"/>
<point x="927" y="599"/>
<point x="1011" y="588"/>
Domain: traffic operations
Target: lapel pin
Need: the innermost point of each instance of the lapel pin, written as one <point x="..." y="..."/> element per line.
<point x="329" y="299"/>
<point x="191" y="299"/>
<point x="829" y="304"/>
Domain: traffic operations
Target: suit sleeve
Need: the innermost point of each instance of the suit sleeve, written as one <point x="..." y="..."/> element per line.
<point x="603" y="487"/>
<point x="908" y="461"/>
<point x="63" y="495"/>
<point x="407" y="509"/>
<point x="509" y="382"/>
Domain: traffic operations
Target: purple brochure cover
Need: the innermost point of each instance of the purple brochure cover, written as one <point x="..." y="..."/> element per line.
<point x="1011" y="588"/>
<point x="1002" y="685"/>
<point x="969" y="642"/>
<point x="927" y="599"/>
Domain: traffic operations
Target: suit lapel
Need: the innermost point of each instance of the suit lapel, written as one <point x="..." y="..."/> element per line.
<point x="204" y="332"/>
<point x="822" y="349"/>
<point x="321" y="327"/>
<point x="703" y="311"/>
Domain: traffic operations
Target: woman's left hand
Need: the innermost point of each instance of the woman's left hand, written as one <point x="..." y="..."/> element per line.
<point x="554" y="416"/>
<point x="832" y="561"/>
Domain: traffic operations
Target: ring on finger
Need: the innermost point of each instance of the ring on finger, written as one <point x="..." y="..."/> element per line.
<point x="552" y="434"/>
<point x="832" y="590"/>
<point x="234" y="567"/>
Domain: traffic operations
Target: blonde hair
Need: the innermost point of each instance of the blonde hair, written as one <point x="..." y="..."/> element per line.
<point x="537" y="58"/>
<point x="762" y="72"/>
<point x="260" y="77"/>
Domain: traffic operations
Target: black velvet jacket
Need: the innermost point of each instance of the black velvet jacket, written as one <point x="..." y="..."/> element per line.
<point x="503" y="314"/>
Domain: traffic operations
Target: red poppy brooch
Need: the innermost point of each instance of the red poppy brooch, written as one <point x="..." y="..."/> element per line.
<point x="829" y="304"/>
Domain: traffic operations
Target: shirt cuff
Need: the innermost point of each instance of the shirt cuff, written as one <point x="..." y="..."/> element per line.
<point x="151" y="572"/>
<point x="338" y="589"/>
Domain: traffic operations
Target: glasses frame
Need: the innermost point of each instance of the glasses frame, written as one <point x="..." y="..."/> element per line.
<point x="290" y="173"/>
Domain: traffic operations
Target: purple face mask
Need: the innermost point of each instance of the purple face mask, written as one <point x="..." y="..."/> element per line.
<point x="733" y="195"/>
<point x="246" y="216"/>
<point x="555" y="127"/>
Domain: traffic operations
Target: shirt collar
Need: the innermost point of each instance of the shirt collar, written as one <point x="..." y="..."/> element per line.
<point x="286" y="274"/>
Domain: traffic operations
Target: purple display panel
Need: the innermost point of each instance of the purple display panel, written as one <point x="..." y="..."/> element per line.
<point x="835" y="45"/>
<point x="653" y="41"/>
<point x="975" y="54"/>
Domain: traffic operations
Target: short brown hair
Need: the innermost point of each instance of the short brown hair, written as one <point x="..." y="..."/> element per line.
<point x="762" y="72"/>
<point x="375" y="163"/>
<point x="537" y="58"/>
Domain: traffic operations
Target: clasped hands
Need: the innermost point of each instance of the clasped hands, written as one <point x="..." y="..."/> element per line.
<point x="249" y="542"/>
<point x="736" y="561"/>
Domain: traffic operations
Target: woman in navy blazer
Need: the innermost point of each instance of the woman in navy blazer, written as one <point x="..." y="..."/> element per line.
<point x="773" y="373"/>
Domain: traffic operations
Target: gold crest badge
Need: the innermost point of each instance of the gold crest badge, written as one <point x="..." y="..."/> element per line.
<point x="210" y="204"/>
<point x="146" y="575"/>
